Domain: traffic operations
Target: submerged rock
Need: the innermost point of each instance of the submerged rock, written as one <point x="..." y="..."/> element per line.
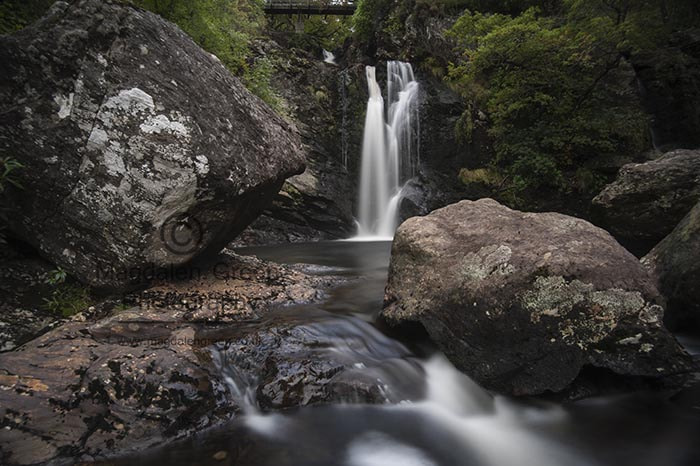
<point x="647" y="200"/>
<point x="525" y="302"/>
<point x="675" y="264"/>
<point x="139" y="149"/>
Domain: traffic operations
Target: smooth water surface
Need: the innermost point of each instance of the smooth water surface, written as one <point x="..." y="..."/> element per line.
<point x="434" y="415"/>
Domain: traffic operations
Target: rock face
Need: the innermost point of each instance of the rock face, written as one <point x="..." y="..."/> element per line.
<point x="524" y="303"/>
<point x="139" y="149"/>
<point x="317" y="204"/>
<point x="647" y="200"/>
<point x="669" y="82"/>
<point x="675" y="263"/>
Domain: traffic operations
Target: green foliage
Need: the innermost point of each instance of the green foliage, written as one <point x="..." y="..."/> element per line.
<point x="258" y="78"/>
<point x="68" y="300"/>
<point x="557" y="95"/>
<point x="222" y="27"/>
<point x="483" y="176"/>
<point x="7" y="166"/>
<point x="328" y="32"/>
<point x="16" y="14"/>
<point x="367" y="16"/>
<point x="56" y="276"/>
<point x="225" y="28"/>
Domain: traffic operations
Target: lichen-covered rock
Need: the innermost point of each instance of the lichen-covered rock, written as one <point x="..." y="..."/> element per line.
<point x="647" y="200"/>
<point x="675" y="264"/>
<point x="139" y="149"/>
<point x="524" y="302"/>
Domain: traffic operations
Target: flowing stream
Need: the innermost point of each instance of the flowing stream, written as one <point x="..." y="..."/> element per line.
<point x="432" y="414"/>
<point x="390" y="149"/>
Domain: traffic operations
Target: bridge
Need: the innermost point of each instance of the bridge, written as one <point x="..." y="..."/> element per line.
<point x="310" y="7"/>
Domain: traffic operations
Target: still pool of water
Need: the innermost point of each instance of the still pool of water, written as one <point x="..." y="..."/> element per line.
<point x="434" y="414"/>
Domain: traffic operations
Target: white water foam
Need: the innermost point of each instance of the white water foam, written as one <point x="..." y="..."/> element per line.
<point x="390" y="149"/>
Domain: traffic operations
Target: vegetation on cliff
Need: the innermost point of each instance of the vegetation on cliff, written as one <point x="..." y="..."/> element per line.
<point x="552" y="81"/>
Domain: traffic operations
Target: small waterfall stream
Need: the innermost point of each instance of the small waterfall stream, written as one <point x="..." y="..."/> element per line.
<point x="390" y="149"/>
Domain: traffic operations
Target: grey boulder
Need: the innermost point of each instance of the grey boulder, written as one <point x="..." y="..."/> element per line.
<point x="526" y="303"/>
<point x="139" y="149"/>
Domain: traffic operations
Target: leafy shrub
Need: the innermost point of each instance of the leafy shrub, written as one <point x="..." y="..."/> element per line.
<point x="556" y="96"/>
<point x="66" y="299"/>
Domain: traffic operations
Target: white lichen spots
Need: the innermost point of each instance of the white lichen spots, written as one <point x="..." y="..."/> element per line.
<point x="652" y="314"/>
<point x="67" y="253"/>
<point x="101" y="60"/>
<point x="141" y="67"/>
<point x="488" y="261"/>
<point x="201" y="165"/>
<point x="65" y="104"/>
<point x="113" y="161"/>
<point x="161" y="124"/>
<point x="597" y="311"/>
<point x="143" y="49"/>
<point x="631" y="340"/>
<point x="157" y="62"/>
<point x="98" y="139"/>
<point x="130" y="101"/>
<point x="646" y="348"/>
<point x="173" y="82"/>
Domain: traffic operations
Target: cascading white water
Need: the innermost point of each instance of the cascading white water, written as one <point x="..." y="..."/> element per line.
<point x="390" y="149"/>
<point x="328" y="57"/>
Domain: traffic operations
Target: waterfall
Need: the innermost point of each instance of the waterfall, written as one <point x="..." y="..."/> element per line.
<point x="390" y="149"/>
<point x="328" y="57"/>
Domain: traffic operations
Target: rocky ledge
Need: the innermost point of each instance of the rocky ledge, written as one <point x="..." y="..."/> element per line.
<point x="162" y="369"/>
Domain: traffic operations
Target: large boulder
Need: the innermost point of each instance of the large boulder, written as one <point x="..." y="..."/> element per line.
<point x="675" y="264"/>
<point x="139" y="149"/>
<point x="526" y="302"/>
<point x="647" y="200"/>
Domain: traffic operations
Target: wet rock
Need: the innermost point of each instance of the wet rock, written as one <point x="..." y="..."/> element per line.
<point x="524" y="302"/>
<point x="675" y="264"/>
<point x="148" y="375"/>
<point x="647" y="200"/>
<point x="77" y="390"/>
<point x="310" y="357"/>
<point x="139" y="149"/>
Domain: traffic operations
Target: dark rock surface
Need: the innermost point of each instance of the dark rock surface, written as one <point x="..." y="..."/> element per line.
<point x="669" y="82"/>
<point x="317" y="204"/>
<point x="523" y="302"/>
<point x="647" y="200"/>
<point x="23" y="286"/>
<point x="675" y="264"/>
<point x="139" y="148"/>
